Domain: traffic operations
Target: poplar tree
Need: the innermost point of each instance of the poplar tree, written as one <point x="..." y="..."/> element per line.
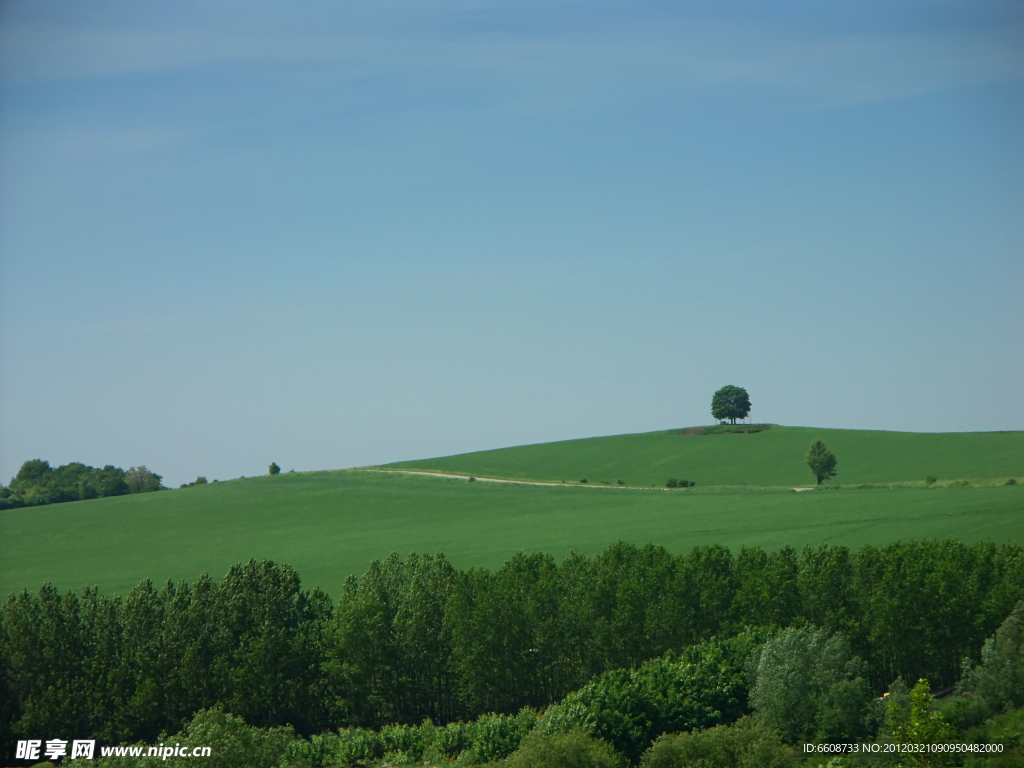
<point x="821" y="461"/>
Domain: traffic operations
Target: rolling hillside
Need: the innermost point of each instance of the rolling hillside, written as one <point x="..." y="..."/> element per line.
<point x="330" y="525"/>
<point x="773" y="457"/>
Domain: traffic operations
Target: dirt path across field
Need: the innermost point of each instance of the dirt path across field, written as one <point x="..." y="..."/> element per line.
<point x="522" y="482"/>
<point x="503" y="480"/>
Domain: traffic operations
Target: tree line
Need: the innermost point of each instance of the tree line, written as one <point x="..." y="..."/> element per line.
<point x="38" y="483"/>
<point x="417" y="638"/>
<point x="745" y="702"/>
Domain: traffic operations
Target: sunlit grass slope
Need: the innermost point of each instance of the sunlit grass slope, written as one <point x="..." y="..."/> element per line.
<point x="772" y="457"/>
<point x="329" y="525"/>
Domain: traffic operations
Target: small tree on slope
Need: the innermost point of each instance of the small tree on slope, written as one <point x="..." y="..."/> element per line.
<point x="821" y="461"/>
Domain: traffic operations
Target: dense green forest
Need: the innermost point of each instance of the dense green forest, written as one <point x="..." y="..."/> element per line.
<point x="38" y="483"/>
<point x="680" y="641"/>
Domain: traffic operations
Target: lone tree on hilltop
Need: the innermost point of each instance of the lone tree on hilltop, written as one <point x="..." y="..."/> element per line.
<point x="730" y="403"/>
<point x="821" y="461"/>
<point x="274" y="469"/>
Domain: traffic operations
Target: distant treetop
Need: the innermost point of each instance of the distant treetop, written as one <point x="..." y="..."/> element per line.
<point x="38" y="483"/>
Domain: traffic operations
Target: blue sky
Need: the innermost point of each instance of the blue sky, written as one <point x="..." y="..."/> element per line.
<point x="336" y="234"/>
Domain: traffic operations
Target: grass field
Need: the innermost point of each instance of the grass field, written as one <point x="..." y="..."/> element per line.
<point x="772" y="457"/>
<point x="329" y="525"/>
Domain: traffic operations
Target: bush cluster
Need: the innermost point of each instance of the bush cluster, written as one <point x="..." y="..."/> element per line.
<point x="674" y="483"/>
<point x="487" y="739"/>
<point x="38" y="483"/>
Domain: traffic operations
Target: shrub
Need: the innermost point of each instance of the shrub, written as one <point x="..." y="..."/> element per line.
<point x="568" y="714"/>
<point x="405" y="743"/>
<point x="200" y="480"/>
<point x="472" y="479"/>
<point x="321" y="749"/>
<point x="273" y="469"/>
<point x="454" y="739"/>
<point x="141" y="480"/>
<point x="1006" y="729"/>
<point x="747" y="744"/>
<point x="622" y="482"/>
<point x="495" y="737"/>
<point x="1011" y="481"/>
<point x="931" y="480"/>
<point x="572" y="749"/>
<point x="631" y="708"/>
<point x="671" y="483"/>
<point x="357" y="745"/>
<point x="583" y="480"/>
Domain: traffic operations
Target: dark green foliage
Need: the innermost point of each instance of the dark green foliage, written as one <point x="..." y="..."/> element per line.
<point x="630" y="709"/>
<point x="996" y="685"/>
<point x="1006" y="729"/>
<point x="200" y="480"/>
<point x="388" y="644"/>
<point x="768" y="594"/>
<point x="730" y="403"/>
<point x="38" y="483"/>
<point x="671" y="483"/>
<point x="129" y="669"/>
<point x="674" y="483"/>
<point x="583" y="480"/>
<point x="519" y="634"/>
<point x="921" y="606"/>
<point x="821" y="461"/>
<point x="273" y="469"/>
<point x="572" y="749"/>
<point x="415" y="638"/>
<point x="1012" y="481"/>
<point x="641" y="602"/>
<point x="931" y="480"/>
<point x="747" y="744"/>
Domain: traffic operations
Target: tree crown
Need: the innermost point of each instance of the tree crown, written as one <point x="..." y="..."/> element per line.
<point x="821" y="461"/>
<point x="730" y="403"/>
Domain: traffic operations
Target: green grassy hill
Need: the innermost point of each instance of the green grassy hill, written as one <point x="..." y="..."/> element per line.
<point x="329" y="525"/>
<point x="773" y="457"/>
